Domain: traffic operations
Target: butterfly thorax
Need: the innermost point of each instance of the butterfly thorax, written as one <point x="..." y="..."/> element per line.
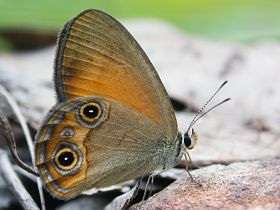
<point x="172" y="153"/>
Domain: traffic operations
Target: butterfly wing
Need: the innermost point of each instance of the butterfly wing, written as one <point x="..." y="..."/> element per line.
<point x="130" y="127"/>
<point x="96" y="55"/>
<point x="75" y="154"/>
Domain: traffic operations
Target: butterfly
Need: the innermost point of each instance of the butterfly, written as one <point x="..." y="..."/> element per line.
<point x="113" y="120"/>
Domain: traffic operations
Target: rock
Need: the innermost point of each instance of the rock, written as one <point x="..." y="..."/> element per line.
<point x="85" y="203"/>
<point x="243" y="185"/>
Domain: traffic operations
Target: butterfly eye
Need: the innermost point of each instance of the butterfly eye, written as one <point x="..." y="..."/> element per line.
<point x="187" y="141"/>
<point x="90" y="112"/>
<point x="190" y="141"/>
<point x="67" y="157"/>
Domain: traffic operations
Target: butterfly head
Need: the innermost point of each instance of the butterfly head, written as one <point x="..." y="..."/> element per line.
<point x="190" y="140"/>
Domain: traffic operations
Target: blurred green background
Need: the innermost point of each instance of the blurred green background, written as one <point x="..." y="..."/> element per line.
<point x="226" y="20"/>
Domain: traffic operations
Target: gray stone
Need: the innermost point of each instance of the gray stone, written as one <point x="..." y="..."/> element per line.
<point x="243" y="185"/>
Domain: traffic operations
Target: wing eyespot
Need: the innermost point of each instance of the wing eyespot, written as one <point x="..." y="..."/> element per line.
<point x="92" y="113"/>
<point x="67" y="158"/>
<point x="67" y="133"/>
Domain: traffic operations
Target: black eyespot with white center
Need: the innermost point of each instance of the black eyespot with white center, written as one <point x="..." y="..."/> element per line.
<point x="91" y="113"/>
<point x="67" y="158"/>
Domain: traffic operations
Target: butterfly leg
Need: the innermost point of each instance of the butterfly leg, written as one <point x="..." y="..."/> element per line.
<point x="190" y="160"/>
<point x="187" y="156"/>
<point x="152" y="184"/>
<point x="150" y="180"/>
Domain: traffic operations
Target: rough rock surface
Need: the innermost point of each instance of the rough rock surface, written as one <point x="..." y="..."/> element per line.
<point x="244" y="185"/>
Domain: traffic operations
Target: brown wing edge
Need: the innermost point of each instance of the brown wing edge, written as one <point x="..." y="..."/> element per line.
<point x="61" y="43"/>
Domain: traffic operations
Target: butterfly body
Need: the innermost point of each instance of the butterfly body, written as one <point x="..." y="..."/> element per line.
<point x="113" y="121"/>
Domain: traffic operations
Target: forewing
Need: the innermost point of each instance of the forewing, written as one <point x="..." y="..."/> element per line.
<point x="97" y="56"/>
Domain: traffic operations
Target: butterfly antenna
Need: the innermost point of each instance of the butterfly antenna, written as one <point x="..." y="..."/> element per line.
<point x="198" y="114"/>
<point x="211" y="110"/>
